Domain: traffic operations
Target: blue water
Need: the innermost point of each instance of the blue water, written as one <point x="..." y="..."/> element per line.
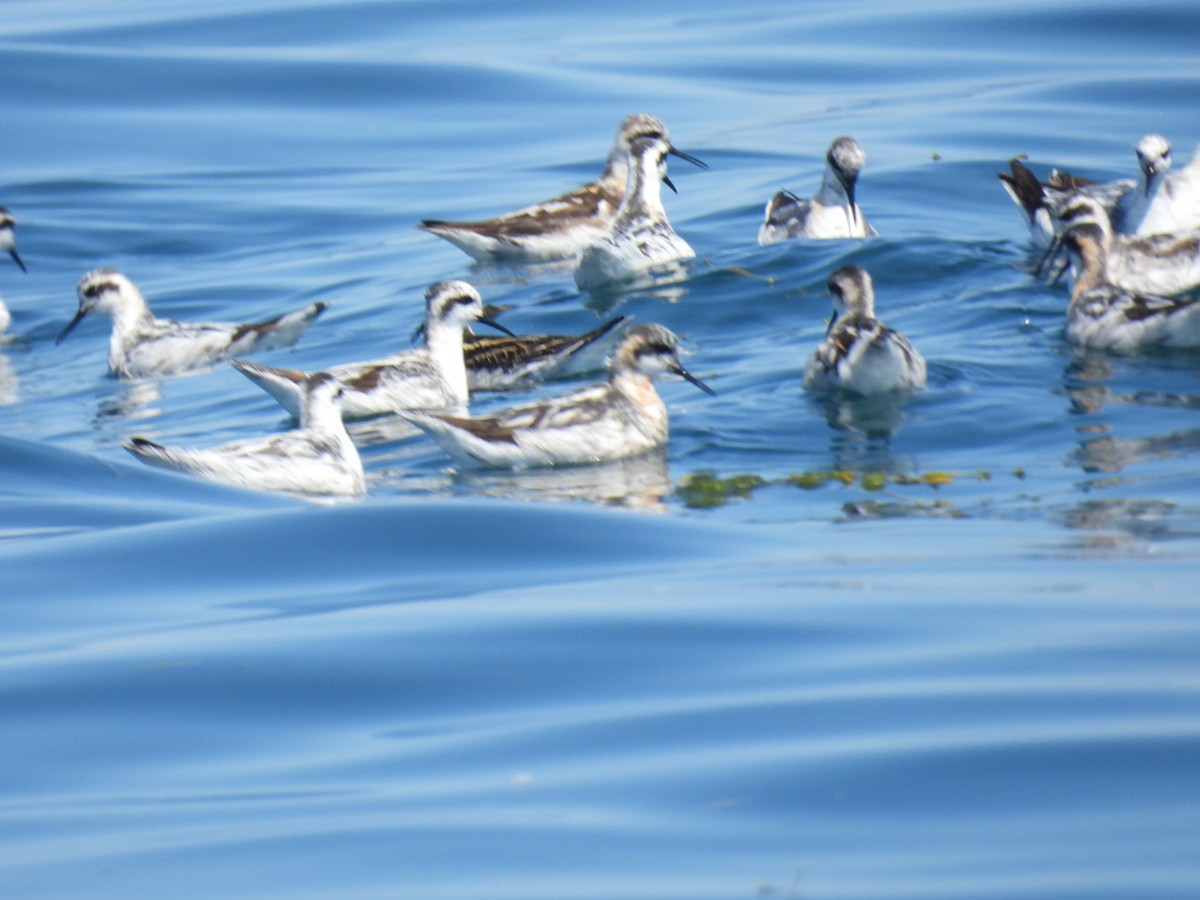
<point x="973" y="674"/>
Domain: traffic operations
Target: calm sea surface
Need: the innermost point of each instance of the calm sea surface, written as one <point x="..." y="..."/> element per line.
<point x="943" y="647"/>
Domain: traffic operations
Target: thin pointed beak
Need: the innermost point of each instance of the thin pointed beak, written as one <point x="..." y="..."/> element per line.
<point x="416" y="333"/>
<point x="1155" y="169"/>
<point x="488" y="320"/>
<point x="1062" y="268"/>
<point x="667" y="181"/>
<point x="688" y="376"/>
<point x="853" y="206"/>
<point x="687" y="156"/>
<point x="79" y="316"/>
<point x="12" y="251"/>
<point x="1043" y="264"/>
<point x="832" y="321"/>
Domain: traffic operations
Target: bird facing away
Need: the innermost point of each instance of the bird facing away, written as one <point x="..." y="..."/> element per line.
<point x="317" y="458"/>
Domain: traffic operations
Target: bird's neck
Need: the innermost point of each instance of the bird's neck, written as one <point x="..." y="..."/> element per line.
<point x="643" y="194"/>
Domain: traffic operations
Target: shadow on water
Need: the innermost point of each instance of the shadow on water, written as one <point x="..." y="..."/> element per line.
<point x="130" y="401"/>
<point x="664" y="283"/>
<point x="1149" y="509"/>
<point x="401" y="457"/>
<point x="639" y="483"/>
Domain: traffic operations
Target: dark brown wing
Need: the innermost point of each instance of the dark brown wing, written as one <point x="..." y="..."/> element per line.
<point x="580" y="204"/>
<point x="258" y="329"/>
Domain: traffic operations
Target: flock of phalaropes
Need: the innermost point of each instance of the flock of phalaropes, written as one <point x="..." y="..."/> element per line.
<point x="1133" y="247"/>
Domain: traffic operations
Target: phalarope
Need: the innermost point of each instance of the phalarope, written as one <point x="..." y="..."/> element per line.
<point x="316" y="458"/>
<point x="641" y="234"/>
<point x="1109" y="317"/>
<point x="832" y="213"/>
<point x="859" y="353"/>
<point x="1155" y="263"/>
<point x="143" y="345"/>
<point x="432" y="376"/>
<point x="7" y="227"/>
<point x="622" y="417"/>
<point x="558" y="228"/>
<point x="496" y="363"/>
<point x="1174" y="206"/>
<point x="1125" y="201"/>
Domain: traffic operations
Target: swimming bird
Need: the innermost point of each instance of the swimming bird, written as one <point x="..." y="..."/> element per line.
<point x="1174" y="205"/>
<point x="832" y="213"/>
<point x="317" y="458"/>
<point x="1103" y="315"/>
<point x="144" y="345"/>
<point x="621" y="417"/>
<point x="1126" y="201"/>
<point x="859" y="353"/>
<point x="1155" y="263"/>
<point x="641" y="236"/>
<point x="499" y="362"/>
<point x="432" y="376"/>
<point x="7" y="234"/>
<point x="7" y="227"/>
<point x="558" y="228"/>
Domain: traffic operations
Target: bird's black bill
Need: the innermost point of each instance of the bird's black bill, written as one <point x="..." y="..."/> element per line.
<point x="688" y="376"/>
<point x="487" y="320"/>
<point x="17" y="259"/>
<point x="832" y="322"/>
<point x="667" y="181"/>
<point x="687" y="156"/>
<point x="1049" y="259"/>
<point x="75" y="321"/>
<point x="1058" y="273"/>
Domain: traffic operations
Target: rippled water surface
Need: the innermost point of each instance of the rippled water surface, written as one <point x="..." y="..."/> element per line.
<point x="942" y="647"/>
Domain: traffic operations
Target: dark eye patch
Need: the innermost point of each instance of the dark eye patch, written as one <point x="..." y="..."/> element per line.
<point x="657" y="348"/>
<point x="95" y="289"/>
